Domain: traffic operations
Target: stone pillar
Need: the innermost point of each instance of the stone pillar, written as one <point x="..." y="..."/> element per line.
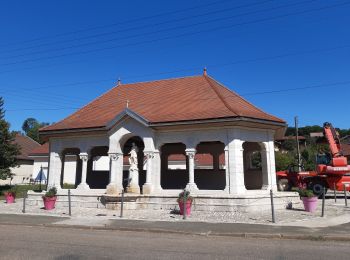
<point x="156" y="169"/>
<point x="83" y="185"/>
<point x="191" y="185"/>
<point x="264" y="168"/>
<point x="236" y="167"/>
<point x="268" y="155"/>
<point x="148" y="187"/>
<point x="227" y="173"/>
<point x="54" y="176"/>
<point x="115" y="185"/>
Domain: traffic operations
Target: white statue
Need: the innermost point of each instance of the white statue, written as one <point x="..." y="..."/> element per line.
<point x="133" y="157"/>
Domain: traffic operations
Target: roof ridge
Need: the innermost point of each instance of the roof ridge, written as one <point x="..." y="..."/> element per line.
<point x="149" y="81"/>
<point x="219" y="95"/>
<point x="239" y="96"/>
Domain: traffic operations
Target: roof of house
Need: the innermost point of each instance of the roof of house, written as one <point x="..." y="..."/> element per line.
<point x="346" y="149"/>
<point x="291" y="137"/>
<point x="27" y="145"/>
<point x="41" y="150"/>
<point x="161" y="101"/>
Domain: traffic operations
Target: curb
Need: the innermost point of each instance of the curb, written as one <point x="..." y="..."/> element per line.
<point x="207" y="234"/>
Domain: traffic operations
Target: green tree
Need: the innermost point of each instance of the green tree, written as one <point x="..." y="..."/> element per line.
<point x="283" y="160"/>
<point x="31" y="127"/>
<point x="8" y="148"/>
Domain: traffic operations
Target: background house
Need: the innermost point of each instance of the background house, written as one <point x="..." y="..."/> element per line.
<point x="23" y="172"/>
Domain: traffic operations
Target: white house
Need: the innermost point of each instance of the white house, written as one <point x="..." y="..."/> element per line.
<point x="22" y="173"/>
<point x="166" y="119"/>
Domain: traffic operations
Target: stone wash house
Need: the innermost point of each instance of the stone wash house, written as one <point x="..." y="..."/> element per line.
<point x="189" y="132"/>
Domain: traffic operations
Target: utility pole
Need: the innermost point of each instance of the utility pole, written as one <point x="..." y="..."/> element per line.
<point x="297" y="140"/>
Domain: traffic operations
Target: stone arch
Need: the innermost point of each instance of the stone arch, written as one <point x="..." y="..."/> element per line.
<point x="255" y="170"/>
<point x="173" y="177"/>
<point x="71" y="169"/>
<point x="208" y="172"/>
<point x="98" y="167"/>
<point x="126" y="144"/>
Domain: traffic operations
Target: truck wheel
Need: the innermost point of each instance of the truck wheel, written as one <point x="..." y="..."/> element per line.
<point x="283" y="185"/>
<point x="317" y="187"/>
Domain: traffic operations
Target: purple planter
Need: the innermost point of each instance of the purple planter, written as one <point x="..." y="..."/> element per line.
<point x="49" y="203"/>
<point x="310" y="204"/>
<point x="188" y="207"/>
<point x="10" y="198"/>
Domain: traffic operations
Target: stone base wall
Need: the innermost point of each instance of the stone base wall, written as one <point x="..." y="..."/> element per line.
<point x="241" y="203"/>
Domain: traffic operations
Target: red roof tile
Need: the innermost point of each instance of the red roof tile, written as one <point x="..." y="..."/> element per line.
<point x="27" y="146"/>
<point x="41" y="150"/>
<point x="346" y="149"/>
<point x="170" y="100"/>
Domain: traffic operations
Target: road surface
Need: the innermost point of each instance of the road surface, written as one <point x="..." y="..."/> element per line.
<point x="25" y="242"/>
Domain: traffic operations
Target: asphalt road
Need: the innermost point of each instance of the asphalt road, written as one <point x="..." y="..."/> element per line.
<point x="25" y="242"/>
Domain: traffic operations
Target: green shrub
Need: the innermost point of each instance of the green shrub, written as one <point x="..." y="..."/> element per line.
<point x="51" y="193"/>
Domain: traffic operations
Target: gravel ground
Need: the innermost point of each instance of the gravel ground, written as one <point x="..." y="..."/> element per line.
<point x="296" y="214"/>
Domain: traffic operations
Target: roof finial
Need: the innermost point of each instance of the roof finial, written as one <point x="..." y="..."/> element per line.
<point x="119" y="82"/>
<point x="205" y="71"/>
<point x="127" y="103"/>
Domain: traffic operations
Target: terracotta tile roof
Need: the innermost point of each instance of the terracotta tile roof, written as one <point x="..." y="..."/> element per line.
<point x="27" y="146"/>
<point x="41" y="150"/>
<point x="170" y="100"/>
<point x="346" y="149"/>
<point x="291" y="137"/>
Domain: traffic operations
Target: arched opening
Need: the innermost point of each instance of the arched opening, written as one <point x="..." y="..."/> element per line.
<point x="174" y="166"/>
<point x="140" y="160"/>
<point x="209" y="170"/>
<point x="98" y="168"/>
<point x="71" y="169"/>
<point x="253" y="173"/>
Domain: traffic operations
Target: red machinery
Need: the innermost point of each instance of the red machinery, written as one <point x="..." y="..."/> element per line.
<point x="332" y="170"/>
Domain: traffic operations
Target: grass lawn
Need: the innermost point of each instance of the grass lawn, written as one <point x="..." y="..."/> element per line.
<point x="21" y="189"/>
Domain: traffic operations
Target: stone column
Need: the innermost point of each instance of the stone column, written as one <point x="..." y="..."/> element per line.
<point x="227" y="173"/>
<point x="156" y="169"/>
<point x="236" y="167"/>
<point x="115" y="185"/>
<point x="147" y="187"/>
<point x="83" y="185"/>
<point x="268" y="155"/>
<point x="54" y="176"/>
<point x="191" y="185"/>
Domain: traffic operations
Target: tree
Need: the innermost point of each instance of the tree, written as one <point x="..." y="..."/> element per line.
<point x="283" y="160"/>
<point x="31" y="127"/>
<point x="8" y="148"/>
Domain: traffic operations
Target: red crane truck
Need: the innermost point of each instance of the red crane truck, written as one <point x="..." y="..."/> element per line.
<point x="332" y="169"/>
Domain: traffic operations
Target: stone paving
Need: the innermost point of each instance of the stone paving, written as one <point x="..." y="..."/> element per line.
<point x="294" y="215"/>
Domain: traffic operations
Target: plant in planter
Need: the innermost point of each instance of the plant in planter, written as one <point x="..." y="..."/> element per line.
<point x="10" y="195"/>
<point x="185" y="201"/>
<point x="309" y="199"/>
<point x="50" y="198"/>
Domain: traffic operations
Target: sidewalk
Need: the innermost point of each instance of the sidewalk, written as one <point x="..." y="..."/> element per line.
<point x="339" y="232"/>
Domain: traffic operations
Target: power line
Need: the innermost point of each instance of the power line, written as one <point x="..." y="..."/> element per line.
<point x="183" y="70"/>
<point x="181" y="35"/>
<point x="132" y="28"/>
<point x="339" y="83"/>
<point x="118" y="23"/>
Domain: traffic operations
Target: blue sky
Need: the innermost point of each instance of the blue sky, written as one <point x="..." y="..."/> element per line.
<point x="55" y="56"/>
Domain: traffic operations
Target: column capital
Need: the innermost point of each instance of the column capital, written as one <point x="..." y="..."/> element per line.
<point x="191" y="152"/>
<point x="114" y="156"/>
<point x="84" y="156"/>
<point x="149" y="154"/>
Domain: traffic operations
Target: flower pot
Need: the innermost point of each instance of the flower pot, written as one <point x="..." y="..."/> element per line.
<point x="188" y="207"/>
<point x="49" y="202"/>
<point x="310" y="203"/>
<point x="10" y="198"/>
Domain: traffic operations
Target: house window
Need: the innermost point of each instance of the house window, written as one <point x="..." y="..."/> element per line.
<point x="203" y="161"/>
<point x="177" y="162"/>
